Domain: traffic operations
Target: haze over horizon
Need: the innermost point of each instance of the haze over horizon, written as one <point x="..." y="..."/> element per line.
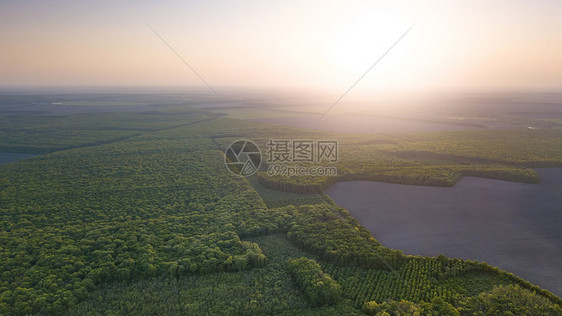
<point x="311" y="44"/>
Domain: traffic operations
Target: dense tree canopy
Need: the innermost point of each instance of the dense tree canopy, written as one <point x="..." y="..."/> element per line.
<point x="136" y="213"/>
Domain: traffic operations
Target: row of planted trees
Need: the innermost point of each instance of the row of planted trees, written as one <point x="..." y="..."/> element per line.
<point x="318" y="286"/>
<point x="501" y="300"/>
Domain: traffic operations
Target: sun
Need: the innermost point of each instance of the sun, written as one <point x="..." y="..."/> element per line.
<point x="361" y="36"/>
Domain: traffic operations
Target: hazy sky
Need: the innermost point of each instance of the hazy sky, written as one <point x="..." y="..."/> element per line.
<point x="310" y="44"/>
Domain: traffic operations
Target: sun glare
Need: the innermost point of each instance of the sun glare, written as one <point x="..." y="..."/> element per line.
<point x="361" y="37"/>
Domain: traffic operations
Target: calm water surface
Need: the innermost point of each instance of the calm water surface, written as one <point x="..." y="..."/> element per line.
<point x="11" y="157"/>
<point x="514" y="226"/>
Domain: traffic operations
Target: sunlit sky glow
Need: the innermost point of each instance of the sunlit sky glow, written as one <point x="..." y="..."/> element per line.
<point x="310" y="44"/>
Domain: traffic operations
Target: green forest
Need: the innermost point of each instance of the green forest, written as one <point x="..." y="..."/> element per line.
<point x="135" y="213"/>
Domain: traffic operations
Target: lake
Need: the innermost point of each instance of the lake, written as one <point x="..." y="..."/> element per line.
<point x="514" y="226"/>
<point x="11" y="157"/>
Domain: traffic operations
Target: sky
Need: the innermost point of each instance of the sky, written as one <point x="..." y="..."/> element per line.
<point x="315" y="44"/>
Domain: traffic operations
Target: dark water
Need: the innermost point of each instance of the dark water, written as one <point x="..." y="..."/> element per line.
<point x="514" y="226"/>
<point x="11" y="157"/>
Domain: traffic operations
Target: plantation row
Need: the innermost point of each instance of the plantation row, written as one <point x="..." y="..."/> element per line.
<point x="502" y="300"/>
<point x="424" y="279"/>
<point x="414" y="281"/>
<point x="318" y="286"/>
